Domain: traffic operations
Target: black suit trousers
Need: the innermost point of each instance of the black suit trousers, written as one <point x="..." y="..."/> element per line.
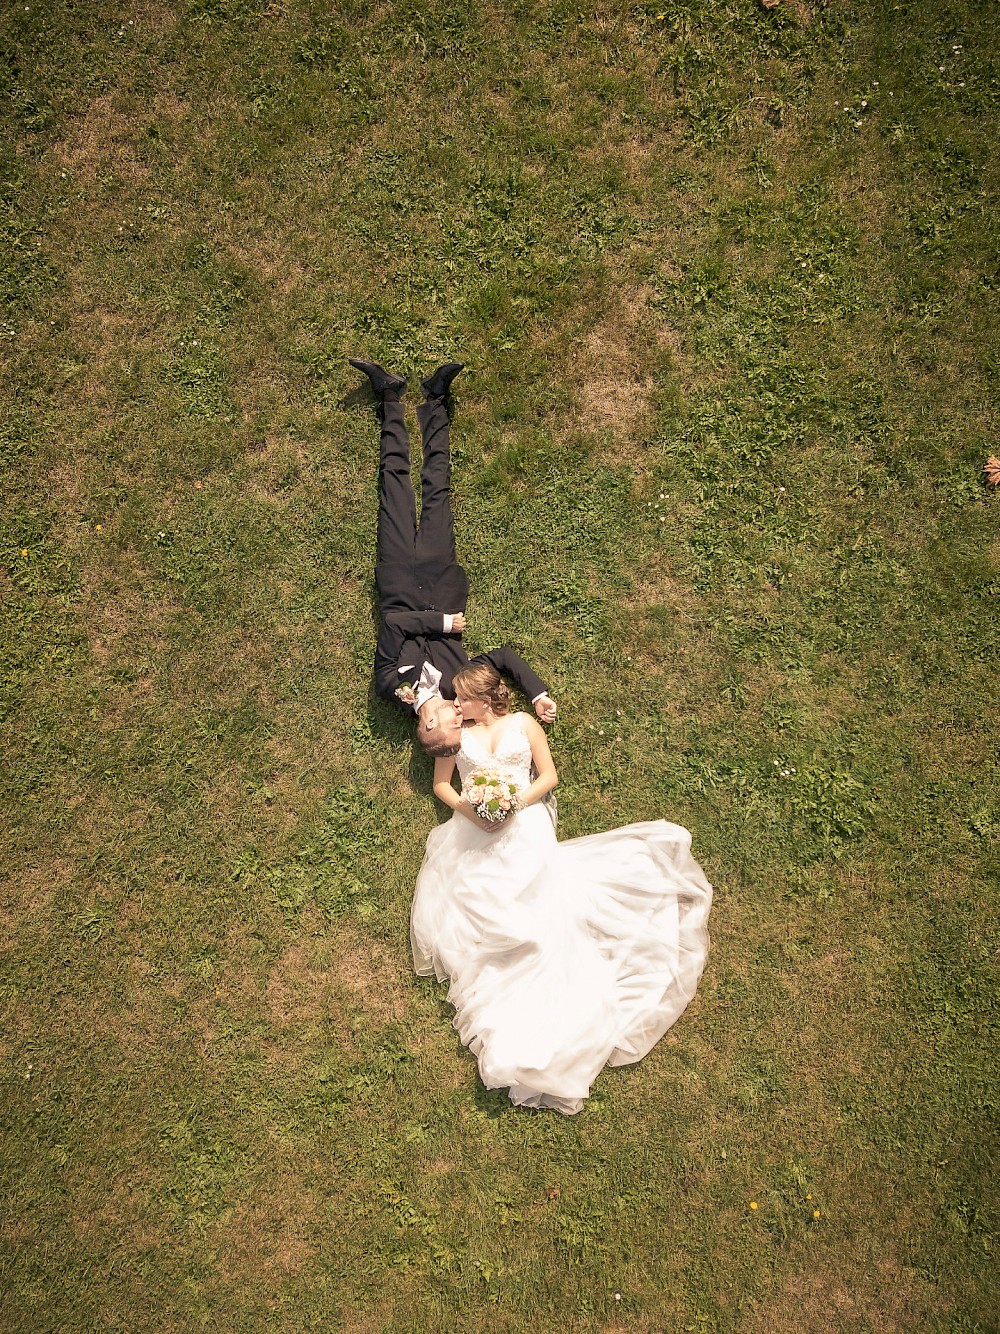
<point x="413" y="557"/>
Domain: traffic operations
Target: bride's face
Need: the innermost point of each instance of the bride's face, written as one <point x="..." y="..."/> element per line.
<point x="472" y="709"/>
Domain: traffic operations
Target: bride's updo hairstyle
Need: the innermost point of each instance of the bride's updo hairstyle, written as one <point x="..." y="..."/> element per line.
<point x="485" y="683"/>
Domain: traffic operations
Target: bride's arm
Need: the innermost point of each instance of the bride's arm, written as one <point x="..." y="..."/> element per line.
<point x="544" y="765"/>
<point x="444" y="768"/>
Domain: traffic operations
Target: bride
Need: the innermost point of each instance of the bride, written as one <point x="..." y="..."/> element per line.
<point x="562" y="957"/>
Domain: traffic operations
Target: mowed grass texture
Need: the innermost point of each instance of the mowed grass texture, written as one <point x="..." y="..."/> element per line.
<point x="726" y="283"/>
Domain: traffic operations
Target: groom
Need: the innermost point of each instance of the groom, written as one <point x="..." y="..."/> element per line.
<point x="422" y="589"/>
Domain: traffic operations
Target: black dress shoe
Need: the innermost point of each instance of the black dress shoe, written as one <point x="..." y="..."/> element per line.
<point x="383" y="381"/>
<point x="438" y="384"/>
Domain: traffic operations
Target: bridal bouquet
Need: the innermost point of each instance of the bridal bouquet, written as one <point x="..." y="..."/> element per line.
<point x="492" y="798"/>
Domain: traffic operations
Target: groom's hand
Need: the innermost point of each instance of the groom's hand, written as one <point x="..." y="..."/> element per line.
<point x="458" y="623"/>
<point x="545" y="708"/>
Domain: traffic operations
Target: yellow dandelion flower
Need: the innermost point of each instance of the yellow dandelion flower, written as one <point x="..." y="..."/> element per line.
<point x="815" y="1213"/>
<point x="753" y="1204"/>
<point x="24" y="551"/>
<point x="98" y="527"/>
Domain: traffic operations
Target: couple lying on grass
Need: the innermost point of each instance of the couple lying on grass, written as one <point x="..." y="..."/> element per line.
<point x="561" y="957"/>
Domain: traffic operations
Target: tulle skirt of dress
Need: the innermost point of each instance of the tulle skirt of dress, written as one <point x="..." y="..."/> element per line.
<point x="562" y="957"/>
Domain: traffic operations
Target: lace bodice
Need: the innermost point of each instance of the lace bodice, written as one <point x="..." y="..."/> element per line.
<point x="511" y="760"/>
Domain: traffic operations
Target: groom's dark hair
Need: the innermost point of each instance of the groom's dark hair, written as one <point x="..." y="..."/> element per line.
<point x="439" y="749"/>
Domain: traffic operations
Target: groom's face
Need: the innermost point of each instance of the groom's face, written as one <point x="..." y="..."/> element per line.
<point x="441" y="724"/>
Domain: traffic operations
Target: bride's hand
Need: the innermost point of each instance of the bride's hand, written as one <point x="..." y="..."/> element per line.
<point x="490" y="826"/>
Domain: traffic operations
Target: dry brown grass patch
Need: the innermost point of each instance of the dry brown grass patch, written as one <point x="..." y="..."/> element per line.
<point x="372" y="977"/>
<point x="840" y="1293"/>
<point x="319" y="980"/>
<point x="658" y="588"/>
<point x="28" y="896"/>
<point x="299" y="990"/>
<point x="614" y="371"/>
<point x="107" y="339"/>
<point x="119" y="617"/>
<point x="101" y="140"/>
<point x="102" y="815"/>
<point x="119" y="1210"/>
<point x="271" y="263"/>
<point x="272" y="1237"/>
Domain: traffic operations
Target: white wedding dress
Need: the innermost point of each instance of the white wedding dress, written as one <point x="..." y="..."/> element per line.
<point x="562" y="957"/>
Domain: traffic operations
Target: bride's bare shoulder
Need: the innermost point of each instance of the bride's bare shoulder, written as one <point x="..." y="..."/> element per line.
<point x="532" y="727"/>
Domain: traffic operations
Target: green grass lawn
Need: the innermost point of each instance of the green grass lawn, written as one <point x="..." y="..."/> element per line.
<point x="726" y="283"/>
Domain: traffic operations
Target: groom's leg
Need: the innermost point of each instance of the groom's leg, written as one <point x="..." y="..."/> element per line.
<point x="397" y="512"/>
<point x="436" y="535"/>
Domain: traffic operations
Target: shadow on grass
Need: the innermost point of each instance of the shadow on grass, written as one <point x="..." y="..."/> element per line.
<point x="496" y="1103"/>
<point x="392" y="730"/>
<point x="362" y="396"/>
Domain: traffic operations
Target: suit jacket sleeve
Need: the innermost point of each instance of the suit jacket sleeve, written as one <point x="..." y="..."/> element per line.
<point x="416" y="622"/>
<point x="507" y="663"/>
<point x="393" y="648"/>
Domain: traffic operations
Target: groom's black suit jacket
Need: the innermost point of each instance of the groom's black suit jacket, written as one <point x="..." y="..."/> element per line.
<point x="411" y="634"/>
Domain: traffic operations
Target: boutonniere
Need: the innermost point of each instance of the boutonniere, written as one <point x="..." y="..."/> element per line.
<point x="406" y="694"/>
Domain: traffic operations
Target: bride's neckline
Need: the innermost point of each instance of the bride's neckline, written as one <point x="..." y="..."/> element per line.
<point x="483" y="733"/>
